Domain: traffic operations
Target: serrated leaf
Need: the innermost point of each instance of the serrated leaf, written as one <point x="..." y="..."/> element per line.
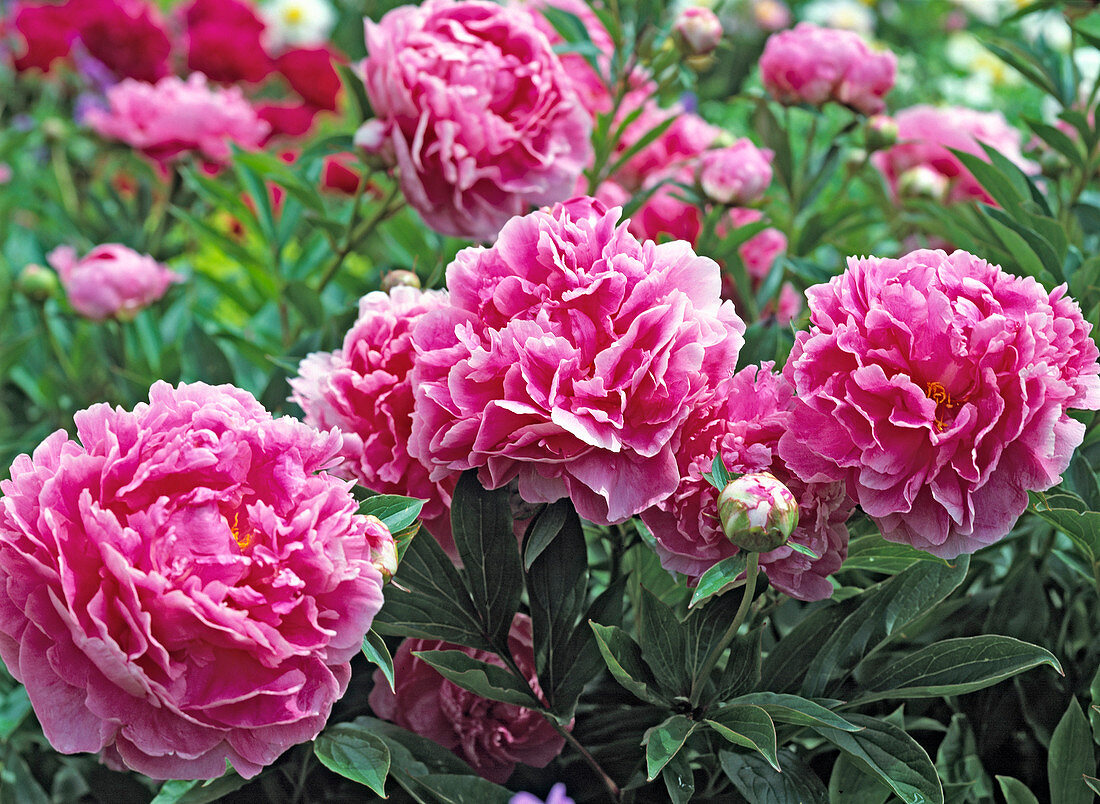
<point x="718" y="579"/>
<point x="481" y="522"/>
<point x="663" y="741"/>
<point x="795" y="709"/>
<point x="354" y="753"/>
<point x="955" y="667"/>
<point x="749" y="726"/>
<point x="489" y="681"/>
<point x="757" y="781"/>
<point x="1070" y="757"/>
<point x="374" y="648"/>
<point x="1015" y="791"/>
<point x="624" y="659"/>
<point x="893" y="756"/>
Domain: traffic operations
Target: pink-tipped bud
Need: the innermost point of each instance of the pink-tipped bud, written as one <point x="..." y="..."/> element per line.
<point x="383" y="549"/>
<point x="736" y="175"/>
<point x="373" y="139"/>
<point x="880" y="131"/>
<point x="698" y="31"/>
<point x="922" y="182"/>
<point x="400" y="278"/>
<point x="757" y="512"/>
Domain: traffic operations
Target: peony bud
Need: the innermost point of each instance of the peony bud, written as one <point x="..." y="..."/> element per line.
<point x="400" y="278"/>
<point x="698" y="31"/>
<point x="384" y="556"/>
<point x="922" y="182"/>
<point x="736" y="175"/>
<point x="373" y="137"/>
<point x="880" y="131"/>
<point x="37" y="283"/>
<point x="757" y="512"/>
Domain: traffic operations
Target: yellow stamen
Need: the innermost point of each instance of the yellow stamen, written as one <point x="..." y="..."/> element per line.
<point x="243" y="540"/>
<point x="294" y="15"/>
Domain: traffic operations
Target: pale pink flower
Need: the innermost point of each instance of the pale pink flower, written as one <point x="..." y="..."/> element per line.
<point x="183" y="586"/>
<point x="175" y="116"/>
<point x="925" y="133"/>
<point x="492" y="736"/>
<point x="699" y="29"/>
<point x="759" y="252"/>
<point x="737" y="174"/>
<point x="484" y="120"/>
<point x="814" y="65"/>
<point x="936" y="387"/>
<point x="571" y="355"/>
<point x="110" y="280"/>
<point x="744" y="423"/>
<point x="364" y="389"/>
<point x="789" y="305"/>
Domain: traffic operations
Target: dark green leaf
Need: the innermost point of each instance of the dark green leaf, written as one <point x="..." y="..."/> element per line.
<point x="875" y="554"/>
<point x="758" y="782"/>
<point x="17" y="783"/>
<point x="747" y="725"/>
<point x="678" y="778"/>
<point x="624" y="659"/>
<point x="1015" y="791"/>
<point x="661" y="638"/>
<point x="849" y="782"/>
<point x="14" y="708"/>
<point x="795" y="709"/>
<point x="742" y="670"/>
<point x="955" y="667"/>
<point x="355" y="753"/>
<point x="719" y="475"/>
<point x="1071" y="757"/>
<point x="481" y="521"/>
<point x="543" y="530"/>
<point x="374" y="648"/>
<point x="481" y="678"/>
<point x="1068" y="514"/>
<point x="883" y="612"/>
<point x="785" y="665"/>
<point x="355" y="91"/>
<point x="890" y="754"/>
<point x="1093" y="783"/>
<point x="719" y="578"/>
<point x="395" y="511"/>
<point x="663" y="741"/>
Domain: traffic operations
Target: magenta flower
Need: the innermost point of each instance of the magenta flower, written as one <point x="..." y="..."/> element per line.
<point x="111" y="280"/>
<point x="936" y="387"/>
<point x="737" y="174"/>
<point x="569" y="358"/>
<point x="484" y="120"/>
<point x="556" y="796"/>
<point x="183" y="586"/>
<point x="365" y="390"/>
<point x="925" y="133"/>
<point x="813" y="65"/>
<point x="175" y="116"/>
<point x="744" y="423"/>
<point x="492" y="736"/>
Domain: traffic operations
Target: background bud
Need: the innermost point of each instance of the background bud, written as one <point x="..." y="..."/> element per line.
<point x="757" y="512"/>
<point x="736" y="175"/>
<point x="698" y="31"/>
<point x="398" y="278"/>
<point x="881" y="131"/>
<point x="37" y="283"/>
<point x="922" y="182"/>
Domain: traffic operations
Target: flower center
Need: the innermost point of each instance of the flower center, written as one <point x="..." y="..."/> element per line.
<point x="938" y="394"/>
<point x="243" y="539"/>
<point x="294" y="15"/>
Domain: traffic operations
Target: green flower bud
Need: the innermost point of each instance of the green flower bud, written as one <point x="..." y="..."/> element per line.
<point x="37" y="283"/>
<point x="757" y="512"/>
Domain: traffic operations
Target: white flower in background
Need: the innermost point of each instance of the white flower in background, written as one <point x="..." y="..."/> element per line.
<point x="297" y="23"/>
<point x="851" y="15"/>
<point x="1051" y="27"/>
<point x="984" y="72"/>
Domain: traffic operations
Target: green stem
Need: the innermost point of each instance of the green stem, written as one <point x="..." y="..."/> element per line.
<point x="609" y="783"/>
<point x="55" y="345"/>
<point x="356" y="234"/>
<point x="65" y="184"/>
<point x="700" y="682"/>
<point x="158" y="215"/>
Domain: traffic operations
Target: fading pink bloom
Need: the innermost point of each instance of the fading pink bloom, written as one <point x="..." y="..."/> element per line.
<point x="569" y="358"/>
<point x="814" y="65"/>
<point x="760" y="251"/>
<point x="483" y="119"/>
<point x="174" y="116"/>
<point x="790" y="304"/>
<point x="925" y="133"/>
<point x="110" y="280"/>
<point x="744" y="423"/>
<point x="493" y="737"/>
<point x="365" y="390"/>
<point x="699" y="29"/>
<point x="737" y="174"/>
<point x="183" y="587"/>
<point x="936" y="387"/>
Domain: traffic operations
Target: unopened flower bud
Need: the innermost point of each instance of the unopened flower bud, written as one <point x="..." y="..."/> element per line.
<point x="37" y="283"/>
<point x="922" y="182"/>
<point x="880" y="131"/>
<point x="757" y="512"/>
<point x="771" y="15"/>
<point x="736" y="175"/>
<point x="53" y="128"/>
<point x="400" y="278"/>
<point x="383" y="556"/>
<point x="698" y="31"/>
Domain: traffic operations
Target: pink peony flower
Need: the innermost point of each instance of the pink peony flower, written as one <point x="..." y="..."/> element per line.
<point x="589" y="85"/>
<point x="111" y="280"/>
<point x="936" y="387"/>
<point x="483" y="118"/>
<point x="744" y="421"/>
<point x="569" y="357"/>
<point x="175" y="116"/>
<point x="225" y="41"/>
<point x="759" y="251"/>
<point x="737" y="174"/>
<point x="182" y="587"/>
<point x="365" y="390"/>
<point x="813" y="65"/>
<point x="925" y="133"/>
<point x="493" y="737"/>
<point x="311" y="73"/>
<point x="47" y="32"/>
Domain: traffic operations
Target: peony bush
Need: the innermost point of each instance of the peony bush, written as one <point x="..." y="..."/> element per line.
<point x="549" y="401"/>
